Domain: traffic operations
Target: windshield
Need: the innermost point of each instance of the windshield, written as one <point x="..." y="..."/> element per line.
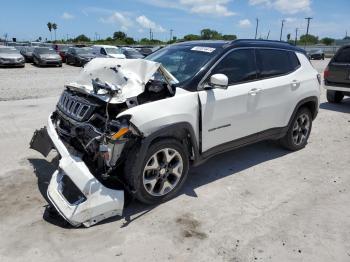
<point x="183" y="62"/>
<point x="8" y="51"/>
<point x="111" y="50"/>
<point x="133" y="53"/>
<point x="45" y="51"/>
<point x="83" y="51"/>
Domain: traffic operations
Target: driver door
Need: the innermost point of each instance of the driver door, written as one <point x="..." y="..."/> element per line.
<point x="230" y="114"/>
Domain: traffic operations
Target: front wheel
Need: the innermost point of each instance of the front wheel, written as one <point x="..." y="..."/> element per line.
<point x="162" y="173"/>
<point x="299" y="131"/>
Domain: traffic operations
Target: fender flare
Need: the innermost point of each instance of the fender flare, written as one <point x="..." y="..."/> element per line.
<point x="314" y="111"/>
<point x="178" y="131"/>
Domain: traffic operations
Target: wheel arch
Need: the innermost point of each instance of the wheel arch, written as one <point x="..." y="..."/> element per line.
<point x="182" y="131"/>
<point x="309" y="102"/>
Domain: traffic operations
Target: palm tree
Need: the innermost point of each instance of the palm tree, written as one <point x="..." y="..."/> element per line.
<point x="54" y="27"/>
<point x="49" y="26"/>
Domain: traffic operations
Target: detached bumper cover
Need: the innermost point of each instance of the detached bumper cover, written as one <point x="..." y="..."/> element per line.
<point x="98" y="203"/>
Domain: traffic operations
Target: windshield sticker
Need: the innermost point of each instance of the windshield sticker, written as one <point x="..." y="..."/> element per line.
<point x="203" y="49"/>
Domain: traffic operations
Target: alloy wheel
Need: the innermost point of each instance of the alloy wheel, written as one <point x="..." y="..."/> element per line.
<point x="162" y="172"/>
<point x="301" y="129"/>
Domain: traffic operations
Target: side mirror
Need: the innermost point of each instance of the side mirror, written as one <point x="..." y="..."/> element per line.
<point x="219" y="81"/>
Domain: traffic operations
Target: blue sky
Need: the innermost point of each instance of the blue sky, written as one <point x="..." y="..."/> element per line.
<point x="27" y="20"/>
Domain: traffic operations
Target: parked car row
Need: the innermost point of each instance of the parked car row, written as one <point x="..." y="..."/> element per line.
<point x="55" y="55"/>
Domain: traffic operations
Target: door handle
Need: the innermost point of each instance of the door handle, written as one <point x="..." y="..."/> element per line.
<point x="295" y="83"/>
<point x="254" y="91"/>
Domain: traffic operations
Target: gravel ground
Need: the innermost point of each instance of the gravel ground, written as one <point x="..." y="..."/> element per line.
<point x="258" y="203"/>
<point x="34" y="82"/>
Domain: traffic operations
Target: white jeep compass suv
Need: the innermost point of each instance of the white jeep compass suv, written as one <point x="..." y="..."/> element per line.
<point x="145" y="122"/>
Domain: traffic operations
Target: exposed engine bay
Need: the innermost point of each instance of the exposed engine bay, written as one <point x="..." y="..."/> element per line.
<point x="88" y="134"/>
<point x="90" y="124"/>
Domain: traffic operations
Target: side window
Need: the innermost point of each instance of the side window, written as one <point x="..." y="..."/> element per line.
<point x="343" y="56"/>
<point x="273" y="62"/>
<point x="103" y="52"/>
<point x="239" y="66"/>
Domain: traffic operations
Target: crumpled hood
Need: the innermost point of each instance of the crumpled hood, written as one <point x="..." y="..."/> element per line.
<point x="130" y="75"/>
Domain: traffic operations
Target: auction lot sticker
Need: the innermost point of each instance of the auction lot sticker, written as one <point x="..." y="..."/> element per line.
<point x="203" y="49"/>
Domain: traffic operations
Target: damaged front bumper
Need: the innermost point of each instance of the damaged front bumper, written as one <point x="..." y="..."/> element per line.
<point x="73" y="190"/>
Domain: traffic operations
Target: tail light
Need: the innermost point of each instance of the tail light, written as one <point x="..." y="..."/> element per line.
<point x="326" y="73"/>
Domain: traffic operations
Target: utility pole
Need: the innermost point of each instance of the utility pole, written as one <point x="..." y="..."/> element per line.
<point x="150" y="34"/>
<point x="308" y="24"/>
<point x="282" y="29"/>
<point x="296" y="36"/>
<point x="256" y="29"/>
<point x="268" y="35"/>
<point x="171" y="34"/>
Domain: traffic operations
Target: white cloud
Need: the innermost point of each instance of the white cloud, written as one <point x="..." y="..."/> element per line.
<point x="146" y="23"/>
<point x="212" y="7"/>
<point x="119" y="19"/>
<point x="245" y="23"/>
<point x="216" y="7"/>
<point x="67" y="16"/>
<point x="285" y="6"/>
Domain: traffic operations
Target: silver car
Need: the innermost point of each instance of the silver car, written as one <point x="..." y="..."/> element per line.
<point x="10" y="56"/>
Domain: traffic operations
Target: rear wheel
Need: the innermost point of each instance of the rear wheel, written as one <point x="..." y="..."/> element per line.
<point x="162" y="173"/>
<point x="299" y="130"/>
<point x="334" y="96"/>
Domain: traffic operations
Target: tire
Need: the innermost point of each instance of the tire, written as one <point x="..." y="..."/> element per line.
<point x="334" y="97"/>
<point x="60" y="65"/>
<point x="156" y="180"/>
<point x="299" y="130"/>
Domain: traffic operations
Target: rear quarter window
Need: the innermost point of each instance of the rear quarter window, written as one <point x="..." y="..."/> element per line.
<point x="272" y="63"/>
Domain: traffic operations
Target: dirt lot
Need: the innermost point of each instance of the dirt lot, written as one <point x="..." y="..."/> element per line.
<point x="259" y="203"/>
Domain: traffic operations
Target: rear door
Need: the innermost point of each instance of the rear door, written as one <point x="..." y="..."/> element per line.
<point x="339" y="67"/>
<point x="279" y="84"/>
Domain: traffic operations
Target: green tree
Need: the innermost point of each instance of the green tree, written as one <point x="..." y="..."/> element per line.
<point x="54" y="27"/>
<point x="192" y="37"/>
<point x="309" y="39"/>
<point x="207" y="34"/>
<point x="327" y="41"/>
<point x="346" y="38"/>
<point x="129" y="41"/>
<point x="81" y="38"/>
<point x="119" y="35"/>
<point x="49" y="26"/>
<point x="229" y="37"/>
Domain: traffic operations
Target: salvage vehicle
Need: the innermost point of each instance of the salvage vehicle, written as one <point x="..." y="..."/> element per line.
<point x="337" y="76"/>
<point x="79" y="56"/>
<point x="107" y="51"/>
<point x="145" y="122"/>
<point x="316" y="54"/>
<point x="9" y="56"/>
<point x="44" y="56"/>
<point x="27" y="53"/>
<point x="131" y="53"/>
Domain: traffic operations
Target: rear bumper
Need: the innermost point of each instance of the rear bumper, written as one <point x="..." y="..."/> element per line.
<point x="99" y="201"/>
<point x="336" y="88"/>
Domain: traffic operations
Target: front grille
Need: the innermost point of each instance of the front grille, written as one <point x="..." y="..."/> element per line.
<point x="75" y="107"/>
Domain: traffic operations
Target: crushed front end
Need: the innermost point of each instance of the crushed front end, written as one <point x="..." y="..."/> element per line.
<point x="92" y="141"/>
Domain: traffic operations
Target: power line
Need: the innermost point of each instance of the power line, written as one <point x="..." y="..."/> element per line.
<point x="256" y="29"/>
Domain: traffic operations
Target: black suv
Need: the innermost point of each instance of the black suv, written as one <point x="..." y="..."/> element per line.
<point x="337" y="76"/>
